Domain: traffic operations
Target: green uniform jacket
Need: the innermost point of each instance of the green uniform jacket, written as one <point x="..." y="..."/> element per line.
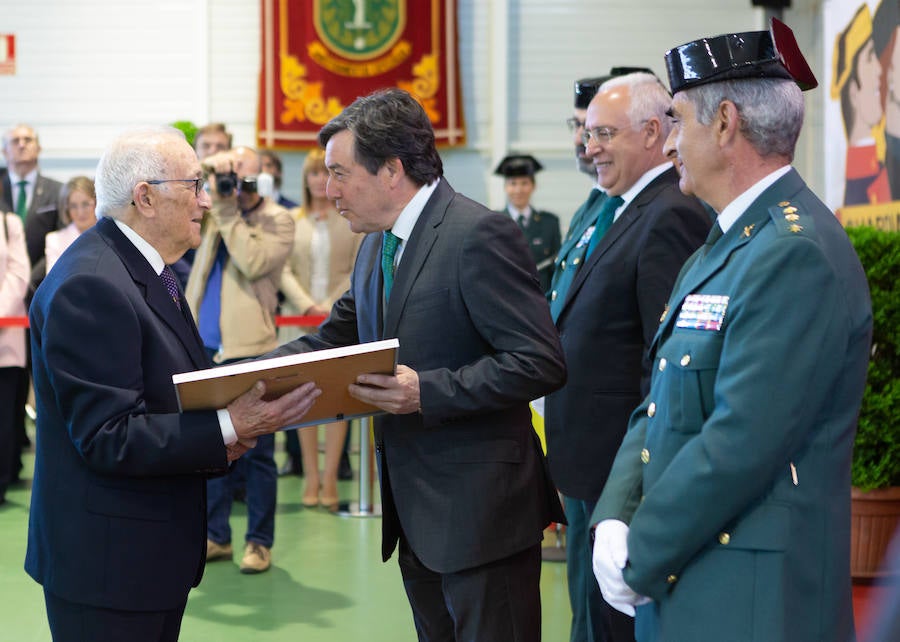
<point x="734" y="475"/>
<point x="543" y="237"/>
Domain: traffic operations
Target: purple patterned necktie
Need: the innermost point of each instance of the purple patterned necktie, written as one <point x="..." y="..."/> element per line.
<point x="168" y="277"/>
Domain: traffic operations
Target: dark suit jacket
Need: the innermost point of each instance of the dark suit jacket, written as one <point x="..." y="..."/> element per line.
<point x="735" y="472"/>
<point x="118" y="516"/>
<point x="543" y="237"/>
<point x="42" y="216"/>
<point x="608" y="319"/>
<point x="465" y="478"/>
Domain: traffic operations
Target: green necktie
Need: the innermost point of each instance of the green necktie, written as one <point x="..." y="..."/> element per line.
<point x="20" y="200"/>
<point x="604" y="221"/>
<point x="388" y="250"/>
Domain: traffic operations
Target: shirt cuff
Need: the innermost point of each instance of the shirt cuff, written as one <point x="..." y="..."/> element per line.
<point x="229" y="435"/>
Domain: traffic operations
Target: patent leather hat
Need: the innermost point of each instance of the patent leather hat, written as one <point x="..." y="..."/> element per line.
<point x="750" y="54"/>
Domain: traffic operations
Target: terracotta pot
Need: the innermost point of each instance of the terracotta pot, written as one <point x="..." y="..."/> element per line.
<point x="874" y="517"/>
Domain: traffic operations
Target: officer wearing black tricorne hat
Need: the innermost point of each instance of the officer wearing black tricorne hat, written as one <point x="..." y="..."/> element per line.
<point x="541" y="228"/>
<point x="726" y="515"/>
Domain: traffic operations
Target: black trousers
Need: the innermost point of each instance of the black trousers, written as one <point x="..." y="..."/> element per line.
<point x="11" y="414"/>
<point x="500" y="601"/>
<point x="71" y="622"/>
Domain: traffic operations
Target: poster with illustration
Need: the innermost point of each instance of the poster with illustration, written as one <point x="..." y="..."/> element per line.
<point x="862" y="111"/>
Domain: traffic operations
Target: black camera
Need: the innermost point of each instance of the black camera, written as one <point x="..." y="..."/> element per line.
<point x="227" y="183"/>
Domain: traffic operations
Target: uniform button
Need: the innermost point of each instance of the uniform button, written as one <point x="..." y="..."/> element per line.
<point x="553" y="296"/>
<point x="662" y="364"/>
<point x="563" y="265"/>
<point x="724" y="539"/>
<point x="645" y="456"/>
<point x="685" y="360"/>
<point x="651" y="409"/>
<point x="576" y="261"/>
<point x="671" y="579"/>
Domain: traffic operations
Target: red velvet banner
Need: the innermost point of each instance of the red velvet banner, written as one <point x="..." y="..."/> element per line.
<point x="320" y="55"/>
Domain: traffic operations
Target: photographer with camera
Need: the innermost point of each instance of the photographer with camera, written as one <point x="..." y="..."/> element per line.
<point x="233" y="292"/>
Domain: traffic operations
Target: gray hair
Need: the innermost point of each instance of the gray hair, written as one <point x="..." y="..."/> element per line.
<point x="649" y="99"/>
<point x="7" y="135"/>
<point x="770" y="110"/>
<point x="135" y="156"/>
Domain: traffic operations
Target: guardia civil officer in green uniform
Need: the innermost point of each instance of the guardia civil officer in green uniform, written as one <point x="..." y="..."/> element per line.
<point x="541" y="228"/>
<point x="727" y="512"/>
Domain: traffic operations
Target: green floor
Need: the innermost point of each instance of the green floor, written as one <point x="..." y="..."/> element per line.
<point x="327" y="582"/>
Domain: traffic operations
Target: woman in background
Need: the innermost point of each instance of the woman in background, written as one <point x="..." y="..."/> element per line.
<point x="317" y="273"/>
<point x="77" y="201"/>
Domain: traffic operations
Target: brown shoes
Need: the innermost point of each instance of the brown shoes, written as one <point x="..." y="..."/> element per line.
<point x="216" y="551"/>
<point x="257" y="559"/>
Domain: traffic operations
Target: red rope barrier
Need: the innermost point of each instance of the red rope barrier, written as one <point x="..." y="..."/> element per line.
<point x="309" y="321"/>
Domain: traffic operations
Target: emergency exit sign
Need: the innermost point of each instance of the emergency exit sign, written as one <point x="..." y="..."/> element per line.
<point x="7" y="54"/>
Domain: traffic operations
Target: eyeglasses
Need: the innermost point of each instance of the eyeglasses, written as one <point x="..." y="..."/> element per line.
<point x="198" y="183"/>
<point x="600" y="135"/>
<point x="573" y="123"/>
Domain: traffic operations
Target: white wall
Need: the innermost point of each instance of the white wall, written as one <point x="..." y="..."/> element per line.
<point x="88" y="69"/>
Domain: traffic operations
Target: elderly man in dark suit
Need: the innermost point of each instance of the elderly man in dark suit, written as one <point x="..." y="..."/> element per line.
<point x="727" y="512"/>
<point x="630" y="256"/>
<point x="463" y="481"/>
<point x="117" y="530"/>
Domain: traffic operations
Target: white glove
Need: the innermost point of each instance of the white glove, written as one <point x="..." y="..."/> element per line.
<point x="610" y="556"/>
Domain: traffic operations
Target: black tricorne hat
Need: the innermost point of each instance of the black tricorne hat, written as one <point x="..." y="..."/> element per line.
<point x="750" y="54"/>
<point x="518" y="165"/>
<point x="586" y="88"/>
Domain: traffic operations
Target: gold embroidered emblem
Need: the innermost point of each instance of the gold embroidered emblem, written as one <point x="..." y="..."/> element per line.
<point x="748" y="229"/>
<point x="795" y="228"/>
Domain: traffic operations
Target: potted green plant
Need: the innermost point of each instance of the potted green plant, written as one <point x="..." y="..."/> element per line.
<point x="188" y="128"/>
<point x="876" y="451"/>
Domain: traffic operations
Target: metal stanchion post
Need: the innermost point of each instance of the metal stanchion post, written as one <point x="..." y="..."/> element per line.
<point x="364" y="507"/>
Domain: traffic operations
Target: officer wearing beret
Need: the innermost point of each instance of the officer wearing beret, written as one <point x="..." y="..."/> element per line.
<point x="727" y="512"/>
<point x="541" y="228"/>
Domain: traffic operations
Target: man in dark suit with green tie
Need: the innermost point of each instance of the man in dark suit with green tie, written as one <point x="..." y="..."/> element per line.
<point x="727" y="511"/>
<point x="455" y="283"/>
<point x="623" y="267"/>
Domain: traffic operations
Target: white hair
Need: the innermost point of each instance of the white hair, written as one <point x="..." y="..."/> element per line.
<point x="136" y="155"/>
<point x="648" y="99"/>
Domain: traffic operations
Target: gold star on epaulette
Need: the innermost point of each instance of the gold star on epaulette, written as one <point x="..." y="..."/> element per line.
<point x="748" y="229"/>
<point x="791" y="217"/>
<point x="795" y="228"/>
<point x="665" y="312"/>
<point x="784" y="203"/>
<point x="790" y="210"/>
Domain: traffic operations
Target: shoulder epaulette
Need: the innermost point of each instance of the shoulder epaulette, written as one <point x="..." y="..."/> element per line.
<point x="789" y="218"/>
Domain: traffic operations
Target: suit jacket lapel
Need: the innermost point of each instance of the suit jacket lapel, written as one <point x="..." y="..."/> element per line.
<point x="415" y="252"/>
<point x="155" y="293"/>
<point x="629" y="217"/>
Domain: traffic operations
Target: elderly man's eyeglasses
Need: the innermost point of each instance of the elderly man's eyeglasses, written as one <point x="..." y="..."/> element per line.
<point x="198" y="183"/>
<point x="600" y="135"/>
<point x="573" y="123"/>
